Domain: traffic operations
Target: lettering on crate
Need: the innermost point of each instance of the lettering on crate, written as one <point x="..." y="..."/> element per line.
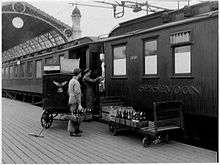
<point x="171" y="90"/>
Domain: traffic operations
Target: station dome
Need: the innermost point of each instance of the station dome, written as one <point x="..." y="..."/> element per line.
<point x="76" y="12"/>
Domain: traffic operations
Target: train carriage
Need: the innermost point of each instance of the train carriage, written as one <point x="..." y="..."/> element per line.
<point x="175" y="60"/>
<point x="22" y="77"/>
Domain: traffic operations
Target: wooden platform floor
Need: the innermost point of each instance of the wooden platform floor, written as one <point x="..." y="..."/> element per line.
<point x="96" y="145"/>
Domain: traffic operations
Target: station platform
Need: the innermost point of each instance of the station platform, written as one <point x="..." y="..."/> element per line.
<point x="96" y="145"/>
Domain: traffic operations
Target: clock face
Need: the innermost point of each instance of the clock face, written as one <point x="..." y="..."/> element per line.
<point x="17" y="22"/>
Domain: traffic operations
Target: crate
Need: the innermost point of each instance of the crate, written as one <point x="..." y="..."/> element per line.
<point x="108" y="111"/>
<point x="108" y="106"/>
<point x="139" y="124"/>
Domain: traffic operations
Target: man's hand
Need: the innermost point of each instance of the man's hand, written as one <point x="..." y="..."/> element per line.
<point x="80" y="107"/>
<point x="101" y="78"/>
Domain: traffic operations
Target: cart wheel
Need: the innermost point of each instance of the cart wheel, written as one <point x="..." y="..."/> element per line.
<point x="114" y="131"/>
<point x="146" y="141"/>
<point x="46" y="119"/>
<point x="167" y="138"/>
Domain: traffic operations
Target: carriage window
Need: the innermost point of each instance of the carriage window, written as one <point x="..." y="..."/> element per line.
<point x="11" y="71"/>
<point x="61" y="58"/>
<point x="3" y="72"/>
<point x="22" y="69"/>
<point x="150" y="58"/>
<point x="49" y="60"/>
<point x="16" y="71"/>
<point x="180" y="37"/>
<point x="182" y="58"/>
<point x="29" y="68"/>
<point x="6" y="72"/>
<point x="119" y="61"/>
<point x="39" y="69"/>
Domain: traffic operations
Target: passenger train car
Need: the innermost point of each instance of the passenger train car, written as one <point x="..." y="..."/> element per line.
<point x="169" y="55"/>
<point x="175" y="58"/>
<point x="22" y="78"/>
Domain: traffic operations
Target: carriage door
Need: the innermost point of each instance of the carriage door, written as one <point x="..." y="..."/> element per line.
<point x="95" y="65"/>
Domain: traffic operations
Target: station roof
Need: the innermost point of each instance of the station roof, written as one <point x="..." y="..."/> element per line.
<point x="26" y="29"/>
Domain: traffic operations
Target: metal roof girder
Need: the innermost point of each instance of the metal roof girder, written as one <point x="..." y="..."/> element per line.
<point x="53" y="43"/>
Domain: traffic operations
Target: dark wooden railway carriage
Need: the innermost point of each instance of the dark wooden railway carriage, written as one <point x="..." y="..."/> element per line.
<point x="176" y="59"/>
<point x="22" y="77"/>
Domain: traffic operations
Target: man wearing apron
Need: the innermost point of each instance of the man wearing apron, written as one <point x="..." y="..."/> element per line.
<point x="74" y="92"/>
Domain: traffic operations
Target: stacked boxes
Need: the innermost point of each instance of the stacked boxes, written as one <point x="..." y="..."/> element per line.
<point x="124" y="115"/>
<point x="109" y="111"/>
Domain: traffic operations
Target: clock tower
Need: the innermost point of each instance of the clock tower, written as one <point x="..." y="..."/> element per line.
<point x="76" y="16"/>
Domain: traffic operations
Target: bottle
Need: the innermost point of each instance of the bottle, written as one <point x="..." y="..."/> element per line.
<point x="117" y="113"/>
<point x="138" y="116"/>
<point x="134" y="115"/>
<point x="144" y="116"/>
<point x="120" y="114"/>
<point x="125" y="114"/>
<point x="141" y="116"/>
<point x="129" y="115"/>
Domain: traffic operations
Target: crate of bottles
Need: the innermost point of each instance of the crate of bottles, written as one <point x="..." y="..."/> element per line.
<point x="109" y="111"/>
<point x="87" y="114"/>
<point x="139" y="123"/>
<point x="129" y="117"/>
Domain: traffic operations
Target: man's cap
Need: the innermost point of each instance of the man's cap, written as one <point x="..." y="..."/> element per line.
<point x="76" y="71"/>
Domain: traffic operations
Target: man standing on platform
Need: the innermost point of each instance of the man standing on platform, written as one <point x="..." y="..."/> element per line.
<point x="74" y="91"/>
<point x="90" y="89"/>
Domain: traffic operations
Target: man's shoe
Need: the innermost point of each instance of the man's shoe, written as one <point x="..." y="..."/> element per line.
<point x="77" y="135"/>
<point x="72" y="133"/>
<point x="79" y="131"/>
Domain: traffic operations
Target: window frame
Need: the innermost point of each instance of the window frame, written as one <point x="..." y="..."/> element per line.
<point x="16" y="66"/>
<point x="45" y="60"/>
<point x="7" y="72"/>
<point x="11" y="71"/>
<point x="126" y="64"/>
<point x="181" y="44"/>
<point x="24" y="70"/>
<point x="149" y="39"/>
<point x="32" y="69"/>
<point x="185" y="42"/>
<point x="41" y="69"/>
<point x="61" y="55"/>
<point x="173" y="58"/>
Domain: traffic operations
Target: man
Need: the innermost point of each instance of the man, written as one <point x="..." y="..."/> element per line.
<point x="90" y="91"/>
<point x="74" y="91"/>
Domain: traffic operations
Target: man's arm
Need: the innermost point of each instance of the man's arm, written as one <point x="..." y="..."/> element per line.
<point x="88" y="79"/>
<point x="77" y="93"/>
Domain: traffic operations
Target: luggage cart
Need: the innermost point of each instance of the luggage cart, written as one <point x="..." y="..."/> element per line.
<point x="167" y="117"/>
<point x="55" y="97"/>
<point x="118" y="124"/>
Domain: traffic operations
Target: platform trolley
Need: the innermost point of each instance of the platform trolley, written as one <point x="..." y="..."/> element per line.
<point x="167" y="117"/>
<point x="55" y="99"/>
